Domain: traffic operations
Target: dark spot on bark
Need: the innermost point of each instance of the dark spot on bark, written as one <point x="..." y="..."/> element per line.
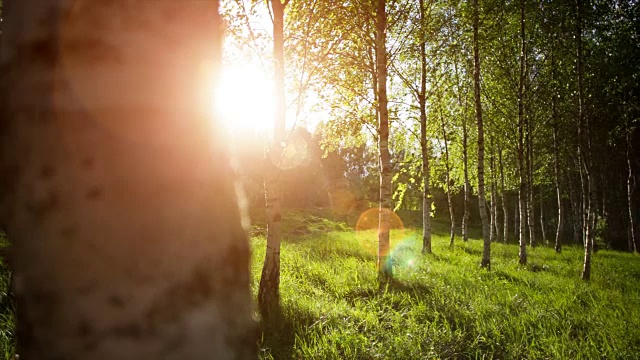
<point x="42" y="297"/>
<point x="94" y="193"/>
<point x="39" y="209"/>
<point x="88" y="163"/>
<point x="68" y="231"/>
<point x="90" y="345"/>
<point x="238" y="260"/>
<point x="128" y="330"/>
<point x="43" y="52"/>
<point x="9" y="179"/>
<point x="87" y="289"/>
<point x="84" y="328"/>
<point x="116" y="301"/>
<point x="182" y="296"/>
<point x="24" y="332"/>
<point x="277" y="217"/>
<point x="47" y="172"/>
<point x="91" y="50"/>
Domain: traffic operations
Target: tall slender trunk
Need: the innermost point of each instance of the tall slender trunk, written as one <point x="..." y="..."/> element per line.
<point x="486" y="251"/>
<point x="467" y="183"/>
<point x="521" y="124"/>
<point x="495" y="235"/>
<point x="269" y="289"/>
<point x="630" y="185"/>
<point x="575" y="211"/>
<point x="543" y="228"/>
<point x="585" y="156"/>
<point x="126" y="230"/>
<point x="531" y="220"/>
<point x="556" y="171"/>
<point x="505" y="205"/>
<point x="492" y="213"/>
<point x="465" y="159"/>
<point x="556" y="151"/>
<point x="516" y="219"/>
<point x="424" y="144"/>
<point x="384" y="261"/>
<point x="448" y="179"/>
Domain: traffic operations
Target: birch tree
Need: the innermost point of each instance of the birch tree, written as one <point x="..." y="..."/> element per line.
<point x="486" y="252"/>
<point x="120" y="206"/>
<point x="269" y="289"/>
<point x="384" y="263"/>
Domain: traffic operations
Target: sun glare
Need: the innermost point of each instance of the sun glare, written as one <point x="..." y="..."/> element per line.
<point x="244" y="98"/>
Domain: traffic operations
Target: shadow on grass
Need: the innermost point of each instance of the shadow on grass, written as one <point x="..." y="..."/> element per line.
<point x="389" y="286"/>
<point x="470" y="251"/>
<point x="278" y="331"/>
<point x="508" y="277"/>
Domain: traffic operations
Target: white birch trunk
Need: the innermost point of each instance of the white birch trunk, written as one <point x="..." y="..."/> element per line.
<point x="121" y="208"/>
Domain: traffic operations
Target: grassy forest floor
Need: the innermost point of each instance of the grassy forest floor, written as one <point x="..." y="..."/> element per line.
<point x="443" y="305"/>
<point x="439" y="306"/>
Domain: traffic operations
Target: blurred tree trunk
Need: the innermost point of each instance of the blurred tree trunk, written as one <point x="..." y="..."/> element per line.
<point x="384" y="263"/>
<point x="269" y="289"/>
<point x="486" y="252"/>
<point x="120" y="205"/>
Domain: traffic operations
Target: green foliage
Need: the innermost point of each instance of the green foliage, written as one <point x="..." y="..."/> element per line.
<point x="441" y="306"/>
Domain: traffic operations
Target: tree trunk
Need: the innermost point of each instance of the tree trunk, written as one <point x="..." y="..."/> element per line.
<point x="585" y="157"/>
<point x="505" y="205"/>
<point x="486" y="251"/>
<point x="467" y="184"/>
<point x="531" y="219"/>
<point x="424" y="145"/>
<point x="575" y="211"/>
<point x="521" y="124"/>
<point x="448" y="179"/>
<point x="542" y="223"/>
<point x="492" y="212"/>
<point x="556" y="158"/>
<point x="465" y="162"/>
<point x="384" y="261"/>
<point x="516" y="218"/>
<point x="269" y="289"/>
<point x="495" y="235"/>
<point x="121" y="207"/>
<point x="630" y="186"/>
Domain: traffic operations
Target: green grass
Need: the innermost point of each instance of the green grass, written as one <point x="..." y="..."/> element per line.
<point x="7" y="309"/>
<point x="445" y="306"/>
<point x="439" y="306"/>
